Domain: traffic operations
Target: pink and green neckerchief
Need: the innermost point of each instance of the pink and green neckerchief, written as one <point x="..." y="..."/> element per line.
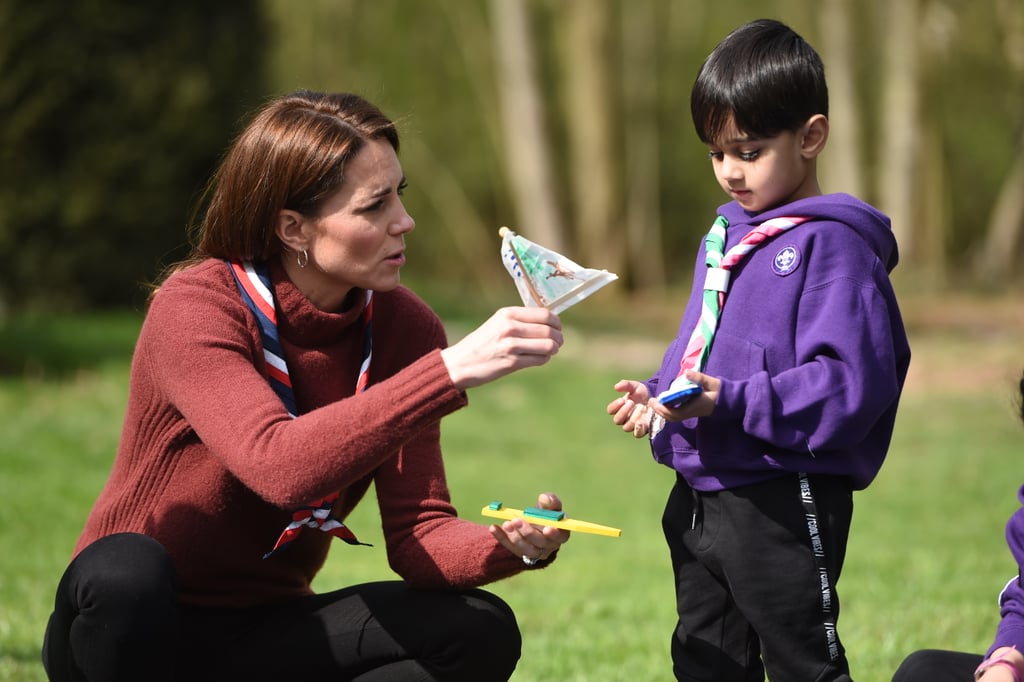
<point x="254" y="284"/>
<point x="716" y="284"/>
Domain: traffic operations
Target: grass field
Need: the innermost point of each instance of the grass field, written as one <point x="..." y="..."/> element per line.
<point x="926" y="556"/>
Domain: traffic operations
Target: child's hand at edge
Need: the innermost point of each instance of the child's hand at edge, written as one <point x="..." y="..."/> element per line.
<point x="630" y="410"/>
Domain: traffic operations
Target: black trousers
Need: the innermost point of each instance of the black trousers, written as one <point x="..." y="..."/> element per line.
<point x="116" y="617"/>
<point x="935" y="665"/>
<point x="756" y="570"/>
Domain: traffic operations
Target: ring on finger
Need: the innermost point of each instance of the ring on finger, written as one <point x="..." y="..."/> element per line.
<point x="530" y="562"/>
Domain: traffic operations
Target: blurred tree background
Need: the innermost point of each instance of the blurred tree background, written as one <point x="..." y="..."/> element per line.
<point x="567" y="120"/>
<point x="111" y="113"/>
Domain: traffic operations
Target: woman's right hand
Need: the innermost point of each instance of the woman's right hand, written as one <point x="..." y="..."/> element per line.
<point x="512" y="339"/>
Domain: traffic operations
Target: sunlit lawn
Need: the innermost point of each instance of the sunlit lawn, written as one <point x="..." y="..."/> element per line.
<point x="926" y="555"/>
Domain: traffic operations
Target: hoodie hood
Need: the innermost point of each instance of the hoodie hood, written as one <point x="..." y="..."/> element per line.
<point x="872" y="225"/>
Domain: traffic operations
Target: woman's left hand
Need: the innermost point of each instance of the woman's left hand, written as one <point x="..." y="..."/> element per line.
<point x="532" y="543"/>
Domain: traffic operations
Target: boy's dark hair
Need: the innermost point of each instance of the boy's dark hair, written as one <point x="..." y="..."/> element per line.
<point x="764" y="76"/>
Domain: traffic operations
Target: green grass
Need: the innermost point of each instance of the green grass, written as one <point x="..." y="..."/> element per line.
<point x="925" y="562"/>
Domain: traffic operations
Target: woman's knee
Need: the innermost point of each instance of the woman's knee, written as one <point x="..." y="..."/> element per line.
<point x="116" y="605"/>
<point x="492" y="642"/>
<point x="122" y="586"/>
<point x="127" y="572"/>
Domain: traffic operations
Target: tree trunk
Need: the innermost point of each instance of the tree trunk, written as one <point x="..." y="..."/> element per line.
<point x="527" y="146"/>
<point x="998" y="254"/>
<point x="841" y="163"/>
<point x="645" y="268"/>
<point x="596" y="190"/>
<point x="898" y="151"/>
<point x="1002" y="243"/>
<point x="934" y="210"/>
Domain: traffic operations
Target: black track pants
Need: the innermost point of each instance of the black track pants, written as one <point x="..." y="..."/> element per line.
<point x="756" y="569"/>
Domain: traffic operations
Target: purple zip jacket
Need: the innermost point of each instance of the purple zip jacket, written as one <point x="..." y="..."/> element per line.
<point x="810" y="349"/>
<point x="1011" y="600"/>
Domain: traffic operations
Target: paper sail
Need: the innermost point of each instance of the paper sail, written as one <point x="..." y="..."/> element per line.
<point x="546" y="279"/>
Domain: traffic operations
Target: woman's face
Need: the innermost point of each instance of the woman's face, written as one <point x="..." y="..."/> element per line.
<point x="358" y="240"/>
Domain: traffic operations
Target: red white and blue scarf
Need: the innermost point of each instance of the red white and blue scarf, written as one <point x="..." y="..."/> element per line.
<point x="254" y="284"/>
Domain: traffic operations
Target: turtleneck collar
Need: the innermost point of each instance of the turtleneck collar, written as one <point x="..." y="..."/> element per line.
<point x="301" y="322"/>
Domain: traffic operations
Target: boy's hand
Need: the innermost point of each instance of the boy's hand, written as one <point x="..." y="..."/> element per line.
<point x="630" y="410"/>
<point x="701" y="406"/>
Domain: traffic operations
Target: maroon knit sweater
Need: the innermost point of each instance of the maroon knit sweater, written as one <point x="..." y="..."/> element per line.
<point x="210" y="462"/>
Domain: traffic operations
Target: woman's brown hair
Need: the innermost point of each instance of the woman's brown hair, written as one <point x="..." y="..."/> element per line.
<point x="291" y="155"/>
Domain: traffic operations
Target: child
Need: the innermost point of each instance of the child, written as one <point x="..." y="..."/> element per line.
<point x="1004" y="660"/>
<point x="799" y="384"/>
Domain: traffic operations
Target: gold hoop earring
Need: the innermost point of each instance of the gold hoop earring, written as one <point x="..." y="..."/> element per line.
<point x="302" y="258"/>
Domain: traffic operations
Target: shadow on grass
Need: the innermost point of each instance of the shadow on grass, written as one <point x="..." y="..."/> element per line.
<point x="53" y="347"/>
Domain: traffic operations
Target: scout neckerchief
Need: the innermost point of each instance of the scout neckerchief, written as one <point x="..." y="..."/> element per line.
<point x="254" y="283"/>
<point x="716" y="284"/>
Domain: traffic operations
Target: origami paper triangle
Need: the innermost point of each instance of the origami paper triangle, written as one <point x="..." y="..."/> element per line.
<point x="545" y="278"/>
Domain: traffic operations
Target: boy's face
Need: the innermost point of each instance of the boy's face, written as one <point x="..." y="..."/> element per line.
<point x="763" y="173"/>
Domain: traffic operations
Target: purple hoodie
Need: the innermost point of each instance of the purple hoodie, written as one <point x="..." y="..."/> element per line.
<point x="1011" y="601"/>
<point x="810" y="349"/>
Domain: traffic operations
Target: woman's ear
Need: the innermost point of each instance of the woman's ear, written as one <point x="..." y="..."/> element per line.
<point x="289" y="228"/>
<point x="815" y="134"/>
